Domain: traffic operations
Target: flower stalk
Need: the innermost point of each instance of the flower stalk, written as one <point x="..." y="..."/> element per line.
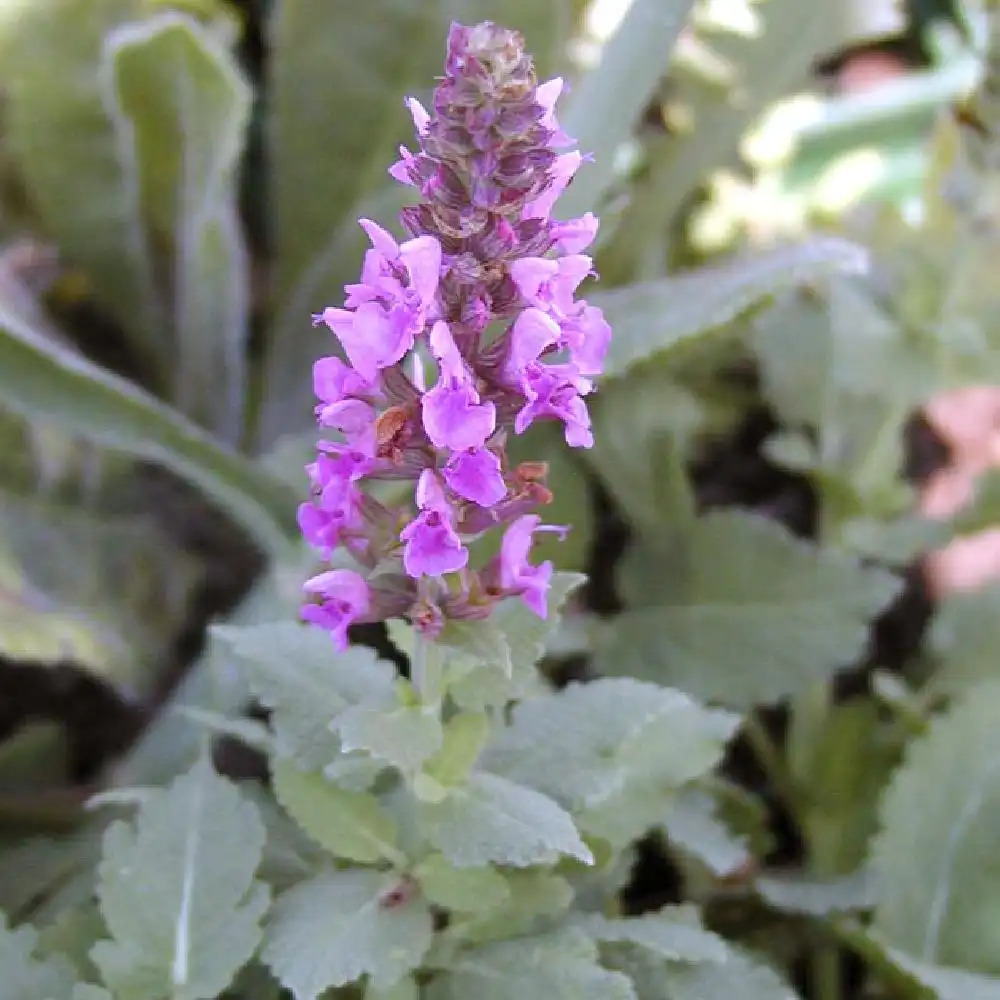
<point x="454" y="339"/>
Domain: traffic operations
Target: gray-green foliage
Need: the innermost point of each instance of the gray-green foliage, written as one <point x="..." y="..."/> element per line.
<point x="468" y="832"/>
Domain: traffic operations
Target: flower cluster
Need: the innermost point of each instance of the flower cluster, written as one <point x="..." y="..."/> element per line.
<point x="483" y="290"/>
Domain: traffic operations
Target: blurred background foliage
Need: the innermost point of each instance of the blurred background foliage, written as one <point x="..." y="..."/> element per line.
<point x="799" y="230"/>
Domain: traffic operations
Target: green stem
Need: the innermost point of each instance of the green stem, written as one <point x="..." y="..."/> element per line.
<point x="771" y="760"/>
<point x="425" y="670"/>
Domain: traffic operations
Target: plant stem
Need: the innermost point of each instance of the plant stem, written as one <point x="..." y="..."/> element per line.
<point x="771" y="759"/>
<point x="425" y="670"/>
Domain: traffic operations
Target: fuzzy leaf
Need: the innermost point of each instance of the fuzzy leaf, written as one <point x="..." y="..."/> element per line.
<point x="693" y="825"/>
<point x="477" y="686"/>
<point x="178" y="893"/>
<point x="934" y="857"/>
<point x="944" y="982"/>
<point x="534" y="897"/>
<point x="338" y="79"/>
<point x="85" y="991"/>
<point x="741" y="612"/>
<point x="180" y="108"/>
<point x="608" y="101"/>
<point x="44" y="380"/>
<point x="338" y="926"/>
<point x="404" y="737"/>
<point x="966" y="639"/>
<point x="654" y="317"/>
<point x="586" y="742"/>
<point x="738" y="976"/>
<point x="672" y="933"/>
<point x="818" y="899"/>
<point x="464" y="737"/>
<point x="493" y="820"/>
<point x="26" y="976"/>
<point x="467" y="890"/>
<point x="561" y="966"/>
<point x="295" y="671"/>
<point x="349" y="824"/>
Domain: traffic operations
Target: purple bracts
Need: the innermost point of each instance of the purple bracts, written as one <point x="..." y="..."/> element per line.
<point x="484" y="290"/>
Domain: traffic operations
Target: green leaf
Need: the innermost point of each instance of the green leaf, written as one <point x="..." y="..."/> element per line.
<point x="493" y="820"/>
<point x="84" y="991"/>
<point x="477" y="686"/>
<point x="92" y="220"/>
<point x="341" y="925"/>
<point x="817" y="898"/>
<point x="584" y="744"/>
<point x="465" y="735"/>
<point x="110" y="609"/>
<point x="295" y="671"/>
<point x="404" y="737"/>
<point x="338" y="80"/>
<point x="562" y="966"/>
<point x="654" y="317"/>
<point x="27" y="976"/>
<point x="739" y="975"/>
<point x="944" y="982"/>
<point x="673" y="933"/>
<point x="692" y="824"/>
<point x="609" y="100"/>
<point x="934" y="857"/>
<point x="180" y="109"/>
<point x="349" y="824"/>
<point x="467" y="890"/>
<point x="965" y="639"/>
<point x="178" y="893"/>
<point x="405" y="989"/>
<point x="741" y="612"/>
<point x="40" y="379"/>
<point x="535" y="897"/>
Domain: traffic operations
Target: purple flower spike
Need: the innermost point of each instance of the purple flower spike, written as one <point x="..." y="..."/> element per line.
<point x="488" y="281"/>
<point x="433" y="547"/>
<point x="344" y="598"/>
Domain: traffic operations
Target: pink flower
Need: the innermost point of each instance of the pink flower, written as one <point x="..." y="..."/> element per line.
<point x="453" y="415"/>
<point x="433" y="547"/>
<point x="475" y="475"/>
<point x="390" y="307"/>
<point x="517" y="575"/>
<point x="344" y="598"/>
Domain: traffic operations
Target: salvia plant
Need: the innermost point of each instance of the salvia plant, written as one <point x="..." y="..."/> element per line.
<point x="576" y="654"/>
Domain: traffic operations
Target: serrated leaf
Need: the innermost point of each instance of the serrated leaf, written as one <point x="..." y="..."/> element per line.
<point x="934" y="857"/>
<point x="349" y="824"/>
<point x="467" y="890"/>
<point x="651" y="318"/>
<point x="296" y="672"/>
<point x="339" y="926"/>
<point x="586" y="742"/>
<point x="965" y="637"/>
<point x="338" y="80"/>
<point x="404" y="737"/>
<point x="741" y="612"/>
<point x="817" y="898"/>
<point x="494" y="821"/>
<point x="180" y="108"/>
<point x="178" y="893"/>
<point x="561" y="966"/>
<point x="26" y="976"/>
<point x="693" y="825"/>
<point x="739" y="975"/>
<point x="673" y="933"/>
